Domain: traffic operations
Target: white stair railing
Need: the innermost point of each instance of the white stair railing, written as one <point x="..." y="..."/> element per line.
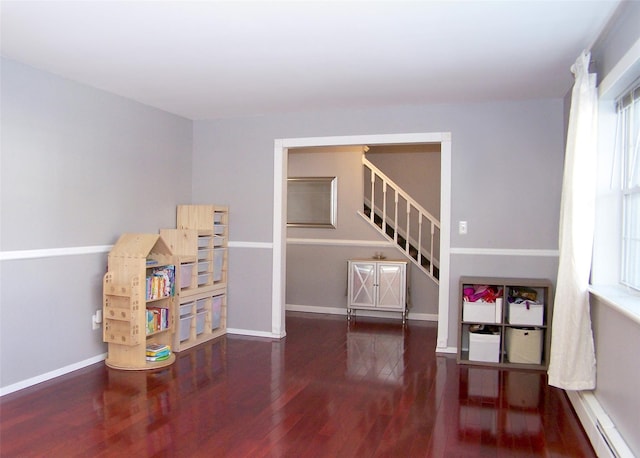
<point x="414" y="230"/>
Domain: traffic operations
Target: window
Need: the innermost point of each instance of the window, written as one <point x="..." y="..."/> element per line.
<point x="628" y="108"/>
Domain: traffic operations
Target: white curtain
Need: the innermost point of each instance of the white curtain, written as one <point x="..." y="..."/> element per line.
<point x="572" y="365"/>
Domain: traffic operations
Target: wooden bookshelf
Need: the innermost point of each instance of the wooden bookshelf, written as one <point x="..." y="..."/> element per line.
<point x="133" y="259"/>
<point x="200" y="244"/>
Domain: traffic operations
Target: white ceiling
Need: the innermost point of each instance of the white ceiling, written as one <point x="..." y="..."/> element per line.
<point x="212" y="59"/>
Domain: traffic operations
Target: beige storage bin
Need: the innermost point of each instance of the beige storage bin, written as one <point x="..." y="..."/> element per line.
<point x="524" y="345"/>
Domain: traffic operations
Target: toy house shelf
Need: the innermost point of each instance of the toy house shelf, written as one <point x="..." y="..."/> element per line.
<point x="138" y="301"/>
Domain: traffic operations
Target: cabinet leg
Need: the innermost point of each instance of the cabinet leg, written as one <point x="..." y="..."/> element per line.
<point x="348" y="314"/>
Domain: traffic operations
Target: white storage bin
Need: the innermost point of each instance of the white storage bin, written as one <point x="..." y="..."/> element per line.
<point x="219" y="229"/>
<point x="218" y="262"/>
<point x="484" y="347"/>
<point x="185" y="275"/>
<point x="218" y="240"/>
<point x="217" y="217"/>
<point x="527" y="313"/>
<point x="216" y="311"/>
<point x="200" y="318"/>
<point x="524" y="345"/>
<point x="479" y="312"/>
<point x="201" y="304"/>
<point x="203" y="266"/>
<point x="185" y="309"/>
<point x="203" y="279"/>
<point x="204" y="241"/>
<point x="204" y="254"/>
<point x="185" y="327"/>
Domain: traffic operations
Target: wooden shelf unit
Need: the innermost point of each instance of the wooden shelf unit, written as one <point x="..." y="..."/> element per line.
<point x="504" y="323"/>
<point x="131" y="260"/>
<point x="200" y="243"/>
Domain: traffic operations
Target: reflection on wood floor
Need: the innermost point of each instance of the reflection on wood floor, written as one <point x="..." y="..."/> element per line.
<point x="329" y="389"/>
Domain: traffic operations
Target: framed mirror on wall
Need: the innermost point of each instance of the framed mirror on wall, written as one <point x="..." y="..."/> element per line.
<point x="312" y="202"/>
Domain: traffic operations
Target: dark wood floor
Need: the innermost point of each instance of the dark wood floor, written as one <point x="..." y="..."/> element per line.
<point x="327" y="390"/>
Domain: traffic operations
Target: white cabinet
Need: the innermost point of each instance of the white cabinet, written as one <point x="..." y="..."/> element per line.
<point x="377" y="285"/>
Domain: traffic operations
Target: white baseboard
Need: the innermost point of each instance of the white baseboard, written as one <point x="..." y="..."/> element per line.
<point x="51" y="375"/>
<point x="367" y="313"/>
<point x="604" y="436"/>
<point x="447" y="350"/>
<point x="253" y="333"/>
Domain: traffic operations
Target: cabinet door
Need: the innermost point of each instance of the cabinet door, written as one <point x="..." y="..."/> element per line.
<point x="391" y="285"/>
<point x="362" y="282"/>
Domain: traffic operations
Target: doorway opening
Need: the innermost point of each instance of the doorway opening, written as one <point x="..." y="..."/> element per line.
<point x="281" y="147"/>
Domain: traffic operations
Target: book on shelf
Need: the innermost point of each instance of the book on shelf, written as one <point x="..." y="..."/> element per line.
<point x="157" y="319"/>
<point x="158" y="352"/>
<point x="159" y="358"/>
<point x="157" y="347"/>
<point x="161" y="282"/>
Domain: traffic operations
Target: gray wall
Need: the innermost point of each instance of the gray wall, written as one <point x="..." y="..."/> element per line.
<point x="617" y="337"/>
<point x="79" y="167"/>
<point x="506" y="179"/>
<point x="418" y="173"/>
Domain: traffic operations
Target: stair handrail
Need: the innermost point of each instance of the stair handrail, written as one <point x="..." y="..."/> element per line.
<point x="422" y="213"/>
<point x="405" y="196"/>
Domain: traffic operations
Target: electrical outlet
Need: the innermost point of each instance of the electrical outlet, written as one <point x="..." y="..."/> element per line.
<point x="462" y="227"/>
<point x="96" y="320"/>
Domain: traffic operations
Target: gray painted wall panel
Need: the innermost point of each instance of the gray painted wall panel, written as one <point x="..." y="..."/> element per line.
<point x="347" y="167"/>
<point x="79" y="167"/>
<point x="417" y="173"/>
<point x="320" y="277"/>
<point x="45" y="316"/>
<point x="617" y="339"/>
<point x="507" y="160"/>
<point x="249" y="293"/>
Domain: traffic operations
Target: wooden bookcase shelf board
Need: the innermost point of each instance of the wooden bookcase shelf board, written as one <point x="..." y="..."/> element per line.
<point x="125" y="301"/>
<point x="520" y="334"/>
<point x="200" y="244"/>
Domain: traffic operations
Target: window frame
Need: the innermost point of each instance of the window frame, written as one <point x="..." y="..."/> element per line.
<point x="628" y="130"/>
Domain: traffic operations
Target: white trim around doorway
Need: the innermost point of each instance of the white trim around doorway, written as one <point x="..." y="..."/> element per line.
<point x="281" y="147"/>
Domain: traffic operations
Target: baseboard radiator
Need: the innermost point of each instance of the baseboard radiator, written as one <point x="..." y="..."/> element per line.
<point x="602" y="432"/>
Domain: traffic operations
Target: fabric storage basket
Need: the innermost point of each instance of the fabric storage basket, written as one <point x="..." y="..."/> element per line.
<point x="479" y="312"/>
<point x="527" y="313"/>
<point x="524" y="345"/>
<point x="484" y="347"/>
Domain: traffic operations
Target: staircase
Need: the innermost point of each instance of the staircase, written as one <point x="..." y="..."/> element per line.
<point x="399" y="218"/>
